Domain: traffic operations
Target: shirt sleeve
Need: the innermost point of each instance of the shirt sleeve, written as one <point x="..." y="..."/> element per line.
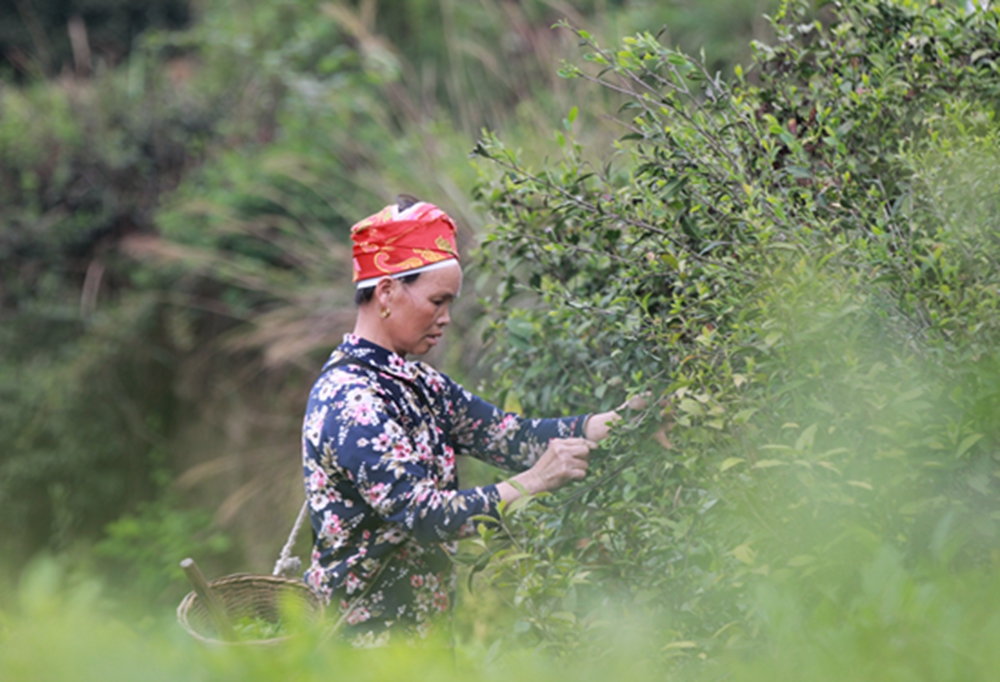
<point x="503" y="439"/>
<point x="388" y="466"/>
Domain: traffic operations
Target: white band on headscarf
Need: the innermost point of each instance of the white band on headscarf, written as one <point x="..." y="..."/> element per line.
<point x="372" y="281"/>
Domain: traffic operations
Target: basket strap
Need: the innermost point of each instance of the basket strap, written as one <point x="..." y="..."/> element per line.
<point x="286" y="561"/>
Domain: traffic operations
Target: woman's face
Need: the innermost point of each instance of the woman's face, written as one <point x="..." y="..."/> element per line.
<point x="420" y="311"/>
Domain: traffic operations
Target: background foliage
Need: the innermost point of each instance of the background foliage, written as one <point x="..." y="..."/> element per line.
<point x="796" y="256"/>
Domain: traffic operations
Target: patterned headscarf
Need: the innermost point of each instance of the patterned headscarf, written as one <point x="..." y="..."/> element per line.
<point x="398" y="242"/>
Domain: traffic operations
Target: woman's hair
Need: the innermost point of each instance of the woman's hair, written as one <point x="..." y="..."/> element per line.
<point x="362" y="296"/>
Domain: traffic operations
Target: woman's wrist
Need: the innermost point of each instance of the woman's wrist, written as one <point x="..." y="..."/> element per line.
<point x="526" y="482"/>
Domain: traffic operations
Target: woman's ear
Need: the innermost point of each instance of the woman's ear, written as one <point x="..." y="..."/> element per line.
<point x="384" y="290"/>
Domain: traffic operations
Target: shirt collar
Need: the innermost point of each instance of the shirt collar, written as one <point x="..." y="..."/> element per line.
<point x="375" y="355"/>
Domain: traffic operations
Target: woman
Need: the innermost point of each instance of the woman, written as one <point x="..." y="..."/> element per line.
<point x="381" y="434"/>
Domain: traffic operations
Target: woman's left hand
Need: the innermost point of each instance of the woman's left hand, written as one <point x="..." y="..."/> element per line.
<point x="599" y="425"/>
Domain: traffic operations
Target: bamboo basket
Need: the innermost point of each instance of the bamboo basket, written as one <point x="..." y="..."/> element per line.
<point x="245" y="595"/>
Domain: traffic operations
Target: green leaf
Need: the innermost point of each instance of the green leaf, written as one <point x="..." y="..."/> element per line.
<point x="768" y="463"/>
<point x="730" y="462"/>
<point x="967" y="443"/>
<point x="744" y="554"/>
<point x="806" y="439"/>
<point x="680" y="645"/>
<point x="692" y="407"/>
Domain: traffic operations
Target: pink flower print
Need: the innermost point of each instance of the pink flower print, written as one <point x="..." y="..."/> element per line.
<point x="314" y="426"/>
<point x="382" y="442"/>
<point x="318" y="501"/>
<point x="377" y="494"/>
<point x="448" y="470"/>
<point x="401" y="450"/>
<point x="421" y="491"/>
<point x="506" y="423"/>
<point x="435" y="382"/>
<point x="397" y="363"/>
<point x="329" y="384"/>
<point x="331" y="524"/>
<point x="358" y="615"/>
<point x="424" y="451"/>
<point x="393" y="535"/>
<point x="317" y="481"/>
<point x="441" y="601"/>
<point x="352" y="339"/>
<point x="467" y="530"/>
<point x="351" y="583"/>
<point x="417" y="581"/>
<point x="364" y="414"/>
<point x="358" y="407"/>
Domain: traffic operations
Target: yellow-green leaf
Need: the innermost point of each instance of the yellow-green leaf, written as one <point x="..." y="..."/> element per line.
<point x="681" y="645"/>
<point x="768" y="463"/>
<point x="967" y="443"/>
<point x="730" y="463"/>
<point x="512" y="404"/>
<point x="692" y="407"/>
<point x="744" y="554"/>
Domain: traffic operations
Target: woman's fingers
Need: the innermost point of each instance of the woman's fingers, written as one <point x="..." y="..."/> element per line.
<point x="575" y="444"/>
<point x="565" y="459"/>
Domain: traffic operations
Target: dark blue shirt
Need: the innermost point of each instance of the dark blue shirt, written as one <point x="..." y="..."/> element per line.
<point x="378" y="447"/>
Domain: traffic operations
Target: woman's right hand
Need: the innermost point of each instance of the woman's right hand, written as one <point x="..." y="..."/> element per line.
<point x="564" y="460"/>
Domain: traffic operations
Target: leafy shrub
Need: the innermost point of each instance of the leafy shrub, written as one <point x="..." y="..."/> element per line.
<point x="794" y="264"/>
<point x="143" y="548"/>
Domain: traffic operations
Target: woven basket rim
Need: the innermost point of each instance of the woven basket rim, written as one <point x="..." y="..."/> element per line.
<point x="271" y="582"/>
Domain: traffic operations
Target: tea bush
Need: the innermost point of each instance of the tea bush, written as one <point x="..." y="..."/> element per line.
<point x="797" y="265"/>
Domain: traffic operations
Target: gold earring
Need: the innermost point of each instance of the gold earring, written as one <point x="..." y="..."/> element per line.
<point x="384" y="313"/>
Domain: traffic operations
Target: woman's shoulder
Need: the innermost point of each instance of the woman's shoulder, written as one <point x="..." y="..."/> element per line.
<point x="339" y="380"/>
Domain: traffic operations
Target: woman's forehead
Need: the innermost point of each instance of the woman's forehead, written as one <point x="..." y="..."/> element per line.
<point x="443" y="279"/>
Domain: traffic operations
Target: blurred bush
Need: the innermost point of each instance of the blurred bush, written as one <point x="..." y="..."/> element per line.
<point x="40" y="38"/>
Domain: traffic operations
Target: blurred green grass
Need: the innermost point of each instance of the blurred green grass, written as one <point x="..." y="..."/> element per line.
<point x="899" y="626"/>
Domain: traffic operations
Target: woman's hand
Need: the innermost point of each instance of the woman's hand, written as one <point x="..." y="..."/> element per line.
<point x="564" y="460"/>
<point x="598" y="425"/>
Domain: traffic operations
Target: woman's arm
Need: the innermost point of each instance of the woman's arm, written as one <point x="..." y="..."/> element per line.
<point x="503" y="439"/>
<point x="566" y="459"/>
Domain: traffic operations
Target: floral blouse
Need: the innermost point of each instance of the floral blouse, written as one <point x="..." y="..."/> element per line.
<point x="378" y="447"/>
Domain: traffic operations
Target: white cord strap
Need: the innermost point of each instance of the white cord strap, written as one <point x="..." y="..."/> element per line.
<point x="287" y="564"/>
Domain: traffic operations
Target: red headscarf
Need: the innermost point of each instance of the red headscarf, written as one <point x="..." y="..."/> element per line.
<point x="394" y="242"/>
